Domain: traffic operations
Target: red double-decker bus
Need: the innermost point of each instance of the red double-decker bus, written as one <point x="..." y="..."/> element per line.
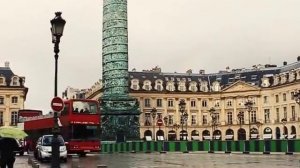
<point x="79" y="126"/>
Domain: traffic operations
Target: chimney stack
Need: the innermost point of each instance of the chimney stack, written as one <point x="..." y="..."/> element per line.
<point x="6" y="64"/>
<point x="284" y="63"/>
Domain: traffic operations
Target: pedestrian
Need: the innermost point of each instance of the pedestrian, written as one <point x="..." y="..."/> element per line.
<point x="8" y="146"/>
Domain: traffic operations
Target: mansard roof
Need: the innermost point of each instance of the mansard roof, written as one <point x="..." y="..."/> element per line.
<point x="250" y="76"/>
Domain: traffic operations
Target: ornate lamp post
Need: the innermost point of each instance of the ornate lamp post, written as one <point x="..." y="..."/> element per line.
<point x="176" y="127"/>
<point x="166" y="124"/>
<point x="153" y="113"/>
<point x="57" y="27"/>
<point x="249" y="104"/>
<point x="181" y="110"/>
<point x="212" y="112"/>
<point x="283" y="122"/>
<point x="297" y="97"/>
<point x="185" y="118"/>
<point x="240" y="117"/>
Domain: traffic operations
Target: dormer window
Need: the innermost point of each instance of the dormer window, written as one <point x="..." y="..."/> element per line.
<point x="147" y="85"/>
<point x="135" y="84"/>
<point x="170" y="86"/>
<point x="193" y="87"/>
<point x="216" y="86"/>
<point x="158" y="85"/>
<point x="15" y="81"/>
<point x="203" y="86"/>
<point x="181" y="86"/>
<point x="2" y="81"/>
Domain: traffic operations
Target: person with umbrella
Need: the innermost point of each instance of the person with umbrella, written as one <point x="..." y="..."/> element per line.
<point x="7" y="148"/>
<point x="8" y="145"/>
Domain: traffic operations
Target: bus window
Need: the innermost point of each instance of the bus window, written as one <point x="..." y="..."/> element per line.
<point x="84" y="107"/>
<point x="85" y="132"/>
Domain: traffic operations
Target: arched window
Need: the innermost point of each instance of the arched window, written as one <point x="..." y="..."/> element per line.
<point x="229" y="134"/>
<point x="195" y="135"/>
<point x="206" y="135"/>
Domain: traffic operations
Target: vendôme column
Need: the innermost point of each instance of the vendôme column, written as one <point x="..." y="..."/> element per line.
<point x="120" y="114"/>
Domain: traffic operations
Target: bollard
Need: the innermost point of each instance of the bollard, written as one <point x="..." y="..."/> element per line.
<point x="29" y="160"/>
<point x="75" y="161"/>
<point x="101" y="166"/>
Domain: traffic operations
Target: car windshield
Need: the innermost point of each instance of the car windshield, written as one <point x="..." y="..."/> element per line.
<point x="47" y="141"/>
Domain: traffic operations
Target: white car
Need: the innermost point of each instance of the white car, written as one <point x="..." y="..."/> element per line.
<point x="43" y="148"/>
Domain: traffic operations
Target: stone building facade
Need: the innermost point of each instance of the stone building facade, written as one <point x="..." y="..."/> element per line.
<point x="274" y="113"/>
<point x="12" y="95"/>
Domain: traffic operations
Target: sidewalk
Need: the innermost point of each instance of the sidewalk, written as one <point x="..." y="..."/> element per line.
<point x="22" y="162"/>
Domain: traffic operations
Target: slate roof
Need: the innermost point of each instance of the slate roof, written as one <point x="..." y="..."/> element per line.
<point x="7" y="73"/>
<point x="251" y="76"/>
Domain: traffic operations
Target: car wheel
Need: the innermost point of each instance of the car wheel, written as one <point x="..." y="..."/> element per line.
<point x="65" y="160"/>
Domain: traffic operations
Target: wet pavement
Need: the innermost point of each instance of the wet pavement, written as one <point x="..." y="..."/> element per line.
<point x="174" y="160"/>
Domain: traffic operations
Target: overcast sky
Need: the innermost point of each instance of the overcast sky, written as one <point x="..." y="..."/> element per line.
<point x="176" y="35"/>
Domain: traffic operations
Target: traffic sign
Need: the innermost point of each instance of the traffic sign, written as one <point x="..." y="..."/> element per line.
<point x="57" y="104"/>
<point x="159" y="122"/>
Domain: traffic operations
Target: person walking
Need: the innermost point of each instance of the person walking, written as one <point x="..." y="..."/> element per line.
<point x="8" y="146"/>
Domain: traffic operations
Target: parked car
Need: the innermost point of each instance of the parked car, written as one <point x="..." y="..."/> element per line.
<point x="21" y="148"/>
<point x="43" y="148"/>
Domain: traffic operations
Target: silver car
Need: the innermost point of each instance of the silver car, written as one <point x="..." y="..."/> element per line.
<point x="43" y="148"/>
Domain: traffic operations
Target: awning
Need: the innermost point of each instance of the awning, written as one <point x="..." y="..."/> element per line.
<point x="184" y="137"/>
<point x="228" y="136"/>
<point x="292" y="136"/>
<point x="160" y="138"/>
<point x="267" y="136"/>
<point x="206" y="137"/>
<point x="217" y="136"/>
<point x="254" y="136"/>
<point x="283" y="136"/>
<point x="195" y="137"/>
<point x="148" y="138"/>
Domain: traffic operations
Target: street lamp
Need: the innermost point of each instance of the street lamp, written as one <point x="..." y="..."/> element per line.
<point x="166" y="124"/>
<point x="249" y="104"/>
<point x="185" y="118"/>
<point x="240" y="117"/>
<point x="297" y="97"/>
<point x="283" y="121"/>
<point x="176" y="127"/>
<point x="57" y="27"/>
<point x="153" y="113"/>
<point x="213" y="114"/>
<point x="181" y="110"/>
